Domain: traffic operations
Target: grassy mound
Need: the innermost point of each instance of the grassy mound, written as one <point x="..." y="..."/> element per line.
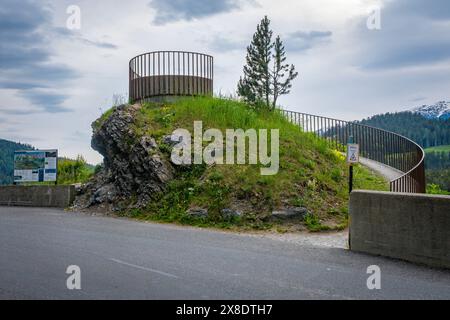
<point x="311" y="175"/>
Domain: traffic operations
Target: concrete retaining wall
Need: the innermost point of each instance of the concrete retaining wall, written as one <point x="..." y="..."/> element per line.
<point x="37" y="196"/>
<point x="412" y="227"/>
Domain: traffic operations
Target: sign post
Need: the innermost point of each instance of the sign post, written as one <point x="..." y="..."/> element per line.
<point x="352" y="157"/>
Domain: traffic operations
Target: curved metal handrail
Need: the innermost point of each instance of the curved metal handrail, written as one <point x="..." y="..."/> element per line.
<point x="389" y="148"/>
<point x="170" y="73"/>
<point x="414" y="179"/>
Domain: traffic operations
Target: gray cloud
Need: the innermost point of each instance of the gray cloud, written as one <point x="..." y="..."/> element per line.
<point x="48" y="102"/>
<point x="17" y="111"/>
<point x="435" y="10"/>
<point x="20" y="85"/>
<point x="25" y="56"/>
<point x="174" y="10"/>
<point x="78" y="135"/>
<point x="418" y="99"/>
<point x="30" y="76"/>
<point x="305" y="40"/>
<point x="99" y="44"/>
<point x="296" y="41"/>
<point x="412" y="34"/>
<point x="74" y="35"/>
<point x="395" y="55"/>
<point x="311" y="35"/>
<point x="222" y="44"/>
<point x="19" y="138"/>
<point x="21" y="17"/>
<point x="14" y="55"/>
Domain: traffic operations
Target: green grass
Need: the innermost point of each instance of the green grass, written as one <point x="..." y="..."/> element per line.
<point x="444" y="148"/>
<point x="311" y="174"/>
<point x="437" y="169"/>
<point x="72" y="171"/>
<point x="366" y="179"/>
<point x="98" y="123"/>
<point x="436" y="189"/>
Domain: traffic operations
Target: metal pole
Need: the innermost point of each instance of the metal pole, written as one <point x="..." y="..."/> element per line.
<point x="350" y="178"/>
<point x="350" y="168"/>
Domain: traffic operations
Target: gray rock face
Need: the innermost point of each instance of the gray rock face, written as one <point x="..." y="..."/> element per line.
<point x="290" y="213"/>
<point x="170" y="140"/>
<point x="202" y="213"/>
<point x="133" y="165"/>
<point x="230" y="213"/>
<point x="105" y="194"/>
<point x="197" y="212"/>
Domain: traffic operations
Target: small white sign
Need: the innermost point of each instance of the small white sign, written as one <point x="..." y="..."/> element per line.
<point x="352" y="153"/>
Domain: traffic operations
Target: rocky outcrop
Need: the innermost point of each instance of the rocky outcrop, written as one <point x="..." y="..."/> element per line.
<point x="133" y="166"/>
<point x="290" y="213"/>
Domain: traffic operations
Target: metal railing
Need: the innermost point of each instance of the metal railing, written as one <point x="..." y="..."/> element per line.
<point x="383" y="146"/>
<point x="170" y="73"/>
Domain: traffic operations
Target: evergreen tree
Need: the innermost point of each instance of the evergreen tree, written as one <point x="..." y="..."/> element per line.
<point x="254" y="87"/>
<point x="281" y="84"/>
<point x="261" y="83"/>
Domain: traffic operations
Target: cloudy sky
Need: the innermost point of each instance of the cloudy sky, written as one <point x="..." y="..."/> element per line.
<point x="55" y="80"/>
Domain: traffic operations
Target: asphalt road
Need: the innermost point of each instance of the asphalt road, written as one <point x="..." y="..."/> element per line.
<point x="123" y="259"/>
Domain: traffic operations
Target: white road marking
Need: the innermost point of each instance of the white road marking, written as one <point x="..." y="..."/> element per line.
<point x="144" y="268"/>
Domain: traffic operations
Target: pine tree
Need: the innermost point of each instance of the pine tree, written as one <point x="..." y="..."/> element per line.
<point x="254" y="87"/>
<point x="262" y="84"/>
<point x="280" y="84"/>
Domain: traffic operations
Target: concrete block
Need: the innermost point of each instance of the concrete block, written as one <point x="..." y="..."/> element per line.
<point x="37" y="196"/>
<point x="412" y="227"/>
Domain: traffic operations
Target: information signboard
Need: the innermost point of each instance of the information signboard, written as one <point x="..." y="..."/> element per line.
<point x="35" y="165"/>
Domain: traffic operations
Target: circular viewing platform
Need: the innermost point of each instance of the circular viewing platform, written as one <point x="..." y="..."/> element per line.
<point x="155" y="75"/>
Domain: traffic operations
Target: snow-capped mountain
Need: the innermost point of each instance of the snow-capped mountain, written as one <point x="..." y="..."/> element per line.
<point x="440" y="110"/>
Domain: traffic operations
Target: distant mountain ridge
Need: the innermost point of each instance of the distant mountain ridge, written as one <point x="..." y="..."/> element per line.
<point x="429" y="126"/>
<point x="427" y="131"/>
<point x="439" y="110"/>
<point x="7" y="149"/>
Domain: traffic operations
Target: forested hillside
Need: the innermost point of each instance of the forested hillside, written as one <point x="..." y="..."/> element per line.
<point x="7" y="149"/>
<point x="426" y="132"/>
<point x="437" y="159"/>
<point x="437" y="164"/>
<point x="430" y="133"/>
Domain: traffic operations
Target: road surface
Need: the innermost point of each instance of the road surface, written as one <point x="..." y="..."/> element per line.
<point x="124" y="259"/>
